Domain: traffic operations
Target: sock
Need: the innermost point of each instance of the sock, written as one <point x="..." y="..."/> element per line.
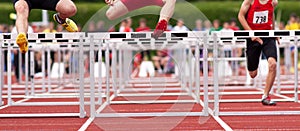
<point x="264" y="96"/>
<point x="59" y="20"/>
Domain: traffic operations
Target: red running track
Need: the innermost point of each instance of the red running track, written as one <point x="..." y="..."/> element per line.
<point x="282" y="122"/>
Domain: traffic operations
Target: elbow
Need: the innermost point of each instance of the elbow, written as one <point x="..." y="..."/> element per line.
<point x="240" y="17"/>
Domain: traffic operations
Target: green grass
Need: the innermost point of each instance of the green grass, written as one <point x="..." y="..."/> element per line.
<point x="223" y="10"/>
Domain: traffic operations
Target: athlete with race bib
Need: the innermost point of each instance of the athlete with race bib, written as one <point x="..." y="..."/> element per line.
<point x="259" y="15"/>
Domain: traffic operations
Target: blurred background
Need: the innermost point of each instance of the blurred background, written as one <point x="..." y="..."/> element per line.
<point x="223" y="10"/>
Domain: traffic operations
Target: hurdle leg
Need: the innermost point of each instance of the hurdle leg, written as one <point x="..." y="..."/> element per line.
<point x="193" y="60"/>
<point x="100" y="74"/>
<point x="179" y="65"/>
<point x="182" y="72"/>
<point x="296" y="69"/>
<point x="205" y="75"/>
<point x="126" y="63"/>
<point x="81" y="79"/>
<point x="178" y="54"/>
<point x="74" y="64"/>
<point x="63" y="61"/>
<point x="20" y="67"/>
<point x="9" y="75"/>
<point x="49" y="69"/>
<point x="43" y="70"/>
<point x="59" y="69"/>
<point x="107" y="73"/>
<point x="32" y="72"/>
<point x="197" y="81"/>
<point x="26" y="74"/>
<point x="126" y="70"/>
<point x="92" y="79"/>
<point x="120" y="69"/>
<point x="130" y="67"/>
<point x="216" y="83"/>
<point x="1" y="72"/>
<point x="190" y="58"/>
<point x="70" y="65"/>
<point x="278" y="69"/>
<point x="114" y="68"/>
<point x="287" y="58"/>
<point x="259" y="78"/>
<point x="184" y="62"/>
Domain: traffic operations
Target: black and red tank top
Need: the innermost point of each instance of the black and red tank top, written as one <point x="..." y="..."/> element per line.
<point x="260" y="16"/>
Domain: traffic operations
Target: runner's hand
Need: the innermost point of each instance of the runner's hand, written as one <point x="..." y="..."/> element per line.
<point x="260" y="41"/>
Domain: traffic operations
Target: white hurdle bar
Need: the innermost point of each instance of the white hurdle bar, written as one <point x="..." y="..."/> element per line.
<point x="38" y="41"/>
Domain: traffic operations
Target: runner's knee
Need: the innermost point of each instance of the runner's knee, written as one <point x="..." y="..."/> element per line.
<point x="21" y="7"/>
<point x="253" y="74"/>
<point x="67" y="8"/>
<point x="272" y="64"/>
<point x="110" y="14"/>
<point x="70" y="10"/>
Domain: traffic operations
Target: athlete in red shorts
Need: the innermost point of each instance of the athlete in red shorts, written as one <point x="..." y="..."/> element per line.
<point x="119" y="8"/>
<point x="259" y="15"/>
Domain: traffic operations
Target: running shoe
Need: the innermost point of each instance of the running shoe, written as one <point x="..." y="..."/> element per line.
<point x="267" y="102"/>
<point x="69" y="24"/>
<point x="160" y="28"/>
<point x="22" y="42"/>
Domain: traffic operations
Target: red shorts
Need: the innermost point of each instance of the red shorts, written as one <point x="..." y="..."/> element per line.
<point x="135" y="4"/>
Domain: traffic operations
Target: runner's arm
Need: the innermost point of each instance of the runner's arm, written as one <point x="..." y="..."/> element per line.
<point x="242" y="13"/>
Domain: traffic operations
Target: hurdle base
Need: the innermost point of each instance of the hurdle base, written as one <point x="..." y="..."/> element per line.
<point x="150" y="114"/>
<point x="258" y="113"/>
<point x="154" y="102"/>
<point x="40" y="115"/>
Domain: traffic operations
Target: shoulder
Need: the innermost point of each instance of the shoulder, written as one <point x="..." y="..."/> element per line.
<point x="248" y="2"/>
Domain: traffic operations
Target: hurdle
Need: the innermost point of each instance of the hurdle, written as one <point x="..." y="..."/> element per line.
<point x="121" y="85"/>
<point x="292" y="36"/>
<point x="118" y="83"/>
<point x="40" y="41"/>
<point x="1" y="69"/>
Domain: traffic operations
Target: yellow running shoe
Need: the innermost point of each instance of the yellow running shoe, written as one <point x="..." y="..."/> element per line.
<point x="69" y="24"/>
<point x="22" y="42"/>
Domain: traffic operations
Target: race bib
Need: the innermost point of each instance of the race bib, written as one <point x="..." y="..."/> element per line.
<point x="260" y="17"/>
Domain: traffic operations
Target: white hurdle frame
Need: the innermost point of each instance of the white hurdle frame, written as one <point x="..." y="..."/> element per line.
<point x="124" y="42"/>
<point x="37" y="40"/>
<point x="1" y="70"/>
<point x="262" y="33"/>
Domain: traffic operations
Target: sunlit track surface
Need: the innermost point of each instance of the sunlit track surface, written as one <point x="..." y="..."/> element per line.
<point x="185" y="100"/>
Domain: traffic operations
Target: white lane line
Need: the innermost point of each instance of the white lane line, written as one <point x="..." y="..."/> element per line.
<point x="86" y="124"/>
<point x="282" y="96"/>
<point x="91" y="119"/>
<point x="24" y="100"/>
<point x="223" y="124"/>
<point x="17" y="102"/>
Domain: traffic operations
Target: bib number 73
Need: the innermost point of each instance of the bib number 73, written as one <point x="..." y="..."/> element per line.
<point x="260" y="17"/>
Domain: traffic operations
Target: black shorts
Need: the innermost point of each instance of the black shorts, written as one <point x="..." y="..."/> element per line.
<point x="254" y="50"/>
<point x="41" y="4"/>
